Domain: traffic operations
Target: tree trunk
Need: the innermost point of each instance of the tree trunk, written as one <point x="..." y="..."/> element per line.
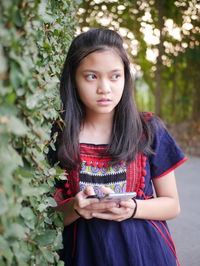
<point x="196" y="101"/>
<point x="158" y="74"/>
<point x="174" y="92"/>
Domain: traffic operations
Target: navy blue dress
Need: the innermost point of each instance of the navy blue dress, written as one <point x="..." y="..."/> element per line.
<point x="132" y="242"/>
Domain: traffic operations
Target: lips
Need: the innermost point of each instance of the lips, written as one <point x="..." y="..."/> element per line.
<point x="104" y="102"/>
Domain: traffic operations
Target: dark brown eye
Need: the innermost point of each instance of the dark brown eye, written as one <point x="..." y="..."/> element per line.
<point x="91" y="77"/>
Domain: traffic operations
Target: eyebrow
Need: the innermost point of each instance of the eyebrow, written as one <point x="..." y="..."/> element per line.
<point x="95" y="71"/>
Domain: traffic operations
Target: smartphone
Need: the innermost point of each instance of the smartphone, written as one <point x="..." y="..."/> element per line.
<point x="118" y="196"/>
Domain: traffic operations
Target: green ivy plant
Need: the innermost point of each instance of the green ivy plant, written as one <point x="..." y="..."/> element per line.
<point x="35" y="36"/>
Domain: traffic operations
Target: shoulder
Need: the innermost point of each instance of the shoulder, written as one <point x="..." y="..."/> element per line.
<point x="161" y="139"/>
<point x="155" y="123"/>
<point x="167" y="155"/>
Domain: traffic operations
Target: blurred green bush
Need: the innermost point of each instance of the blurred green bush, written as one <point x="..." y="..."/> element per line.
<point x="35" y="36"/>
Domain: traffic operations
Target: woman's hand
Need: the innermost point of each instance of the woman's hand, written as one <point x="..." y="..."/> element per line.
<point x="85" y="207"/>
<point x="120" y="211"/>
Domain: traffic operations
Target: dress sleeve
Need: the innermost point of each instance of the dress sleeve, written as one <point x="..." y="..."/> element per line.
<point x="63" y="192"/>
<point x="167" y="154"/>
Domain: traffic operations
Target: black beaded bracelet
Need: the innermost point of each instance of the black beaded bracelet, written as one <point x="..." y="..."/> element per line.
<point x="135" y="210"/>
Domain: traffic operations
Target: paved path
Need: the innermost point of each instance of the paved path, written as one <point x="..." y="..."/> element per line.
<point x="185" y="228"/>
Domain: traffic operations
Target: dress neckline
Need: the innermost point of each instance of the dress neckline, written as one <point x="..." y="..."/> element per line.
<point x="92" y="144"/>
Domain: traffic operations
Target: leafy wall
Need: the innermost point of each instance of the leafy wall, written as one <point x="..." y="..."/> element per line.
<point x="34" y="38"/>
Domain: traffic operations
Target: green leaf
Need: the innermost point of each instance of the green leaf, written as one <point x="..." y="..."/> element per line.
<point x="33" y="101"/>
<point x="5" y="250"/>
<point x="52" y="171"/>
<point x="3" y="243"/>
<point x="42" y="207"/>
<point x="16" y="78"/>
<point x="4" y="203"/>
<point x="15" y="231"/>
<point x="58" y="242"/>
<point x="16" y="126"/>
<point x="2" y="263"/>
<point x="3" y="65"/>
<point x="60" y="263"/>
<point x="30" y="191"/>
<point x="48" y="202"/>
<point x="24" y="172"/>
<point x="27" y="213"/>
<point x="9" y="161"/>
<point x="22" y="252"/>
<point x="10" y="98"/>
<point x="47" y="220"/>
<point x="46" y="238"/>
<point x="47" y="254"/>
<point x="17" y="18"/>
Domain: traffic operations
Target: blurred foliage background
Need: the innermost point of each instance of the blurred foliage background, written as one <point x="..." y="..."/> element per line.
<point x="162" y="40"/>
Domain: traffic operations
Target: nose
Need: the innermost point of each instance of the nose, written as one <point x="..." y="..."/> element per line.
<point x="103" y="86"/>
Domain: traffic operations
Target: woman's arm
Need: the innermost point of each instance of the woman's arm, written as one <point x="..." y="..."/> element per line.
<point x="164" y="207"/>
<point x="81" y="206"/>
<point x="69" y="215"/>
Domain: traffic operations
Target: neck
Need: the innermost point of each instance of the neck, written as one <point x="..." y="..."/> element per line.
<point x="97" y="129"/>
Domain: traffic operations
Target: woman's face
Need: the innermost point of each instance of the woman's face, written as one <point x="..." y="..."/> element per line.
<point x="100" y="81"/>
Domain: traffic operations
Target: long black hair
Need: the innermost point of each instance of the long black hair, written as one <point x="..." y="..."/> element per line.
<point x="130" y="131"/>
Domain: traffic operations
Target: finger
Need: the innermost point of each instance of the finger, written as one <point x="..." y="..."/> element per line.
<point x="115" y="214"/>
<point x="118" y="210"/>
<point x="127" y="204"/>
<point x="81" y="200"/>
<point x="114" y="211"/>
<point x="110" y="215"/>
<point x="106" y="189"/>
<point x="104" y="215"/>
<point x="89" y="191"/>
<point x="103" y="205"/>
<point x="83" y="203"/>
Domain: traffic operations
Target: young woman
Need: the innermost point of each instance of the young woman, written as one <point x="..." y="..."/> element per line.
<point x="106" y="146"/>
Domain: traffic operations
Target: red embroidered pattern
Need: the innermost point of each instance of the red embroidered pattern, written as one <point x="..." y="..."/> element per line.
<point x="96" y="156"/>
<point x="136" y="175"/>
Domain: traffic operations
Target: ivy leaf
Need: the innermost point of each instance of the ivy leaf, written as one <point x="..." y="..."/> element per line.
<point x="16" y="77"/>
<point x="48" y="202"/>
<point x="46" y="238"/>
<point x="60" y="263"/>
<point x="17" y="18"/>
<point x="16" y="126"/>
<point x="4" y="203"/>
<point x="27" y="213"/>
<point x="15" y="230"/>
<point x="24" y="172"/>
<point x="47" y="254"/>
<point x="33" y="101"/>
<point x="48" y="220"/>
<point x="9" y="160"/>
<point x="52" y="171"/>
<point x="5" y="250"/>
<point x="4" y="64"/>
<point x="58" y="242"/>
<point x="22" y="252"/>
